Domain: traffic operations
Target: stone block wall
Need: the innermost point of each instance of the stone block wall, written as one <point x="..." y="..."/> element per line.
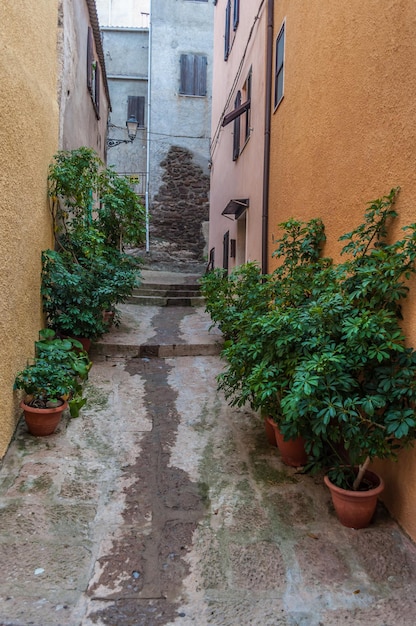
<point x="181" y="207"/>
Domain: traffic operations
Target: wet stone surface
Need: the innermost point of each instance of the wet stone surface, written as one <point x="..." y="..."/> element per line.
<point x="163" y="506"/>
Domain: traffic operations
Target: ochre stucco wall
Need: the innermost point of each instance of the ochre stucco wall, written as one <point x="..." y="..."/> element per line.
<point x="28" y="139"/>
<point x="345" y="134"/>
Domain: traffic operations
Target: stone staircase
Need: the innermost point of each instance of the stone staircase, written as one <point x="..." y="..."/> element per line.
<point x="170" y="321"/>
<point x="174" y="294"/>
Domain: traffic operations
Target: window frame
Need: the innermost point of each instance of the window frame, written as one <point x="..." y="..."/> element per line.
<point x="136" y="108"/>
<point x="227" y="32"/>
<point x="279" y="71"/>
<point x="237" y="129"/>
<point x="93" y="74"/>
<point x="193" y="83"/>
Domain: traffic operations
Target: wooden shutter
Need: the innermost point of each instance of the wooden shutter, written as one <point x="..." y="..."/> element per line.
<point x="97" y="90"/>
<point x="236" y="14"/>
<point x="90" y="55"/>
<point x="200" y="74"/>
<point x="236" y="138"/>
<point x="193" y="81"/>
<point x="227" y="30"/>
<point x="135" y="108"/>
<point x="187" y="74"/>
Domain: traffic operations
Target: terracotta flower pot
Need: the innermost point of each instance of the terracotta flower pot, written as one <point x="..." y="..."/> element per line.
<point x="42" y="422"/>
<point x="269" y="427"/>
<point x="355" y="509"/>
<point x="292" y="451"/>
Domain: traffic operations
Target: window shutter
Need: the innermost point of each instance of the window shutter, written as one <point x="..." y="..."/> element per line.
<point x="135" y="108"/>
<point x="97" y="90"/>
<point x="200" y="68"/>
<point x="89" y="59"/>
<point x="187" y="74"/>
<point x="236" y="138"/>
<point x="227" y="30"/>
<point x="236" y="14"/>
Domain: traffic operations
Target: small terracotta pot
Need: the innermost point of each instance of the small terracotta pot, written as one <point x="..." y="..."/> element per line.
<point x="292" y="451"/>
<point x="355" y="509"/>
<point x="42" y="422"/>
<point x="269" y="427"/>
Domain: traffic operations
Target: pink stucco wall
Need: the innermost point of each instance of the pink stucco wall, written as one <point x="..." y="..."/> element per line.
<point x="241" y="178"/>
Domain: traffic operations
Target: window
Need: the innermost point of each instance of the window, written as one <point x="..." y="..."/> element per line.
<point x="279" y="72"/>
<point x="236" y="14"/>
<point x="237" y="127"/>
<point x="135" y="108"/>
<point x="247" y="114"/>
<point x="193" y="80"/>
<point x="93" y="74"/>
<point x="235" y="19"/>
<point x="227" y="35"/>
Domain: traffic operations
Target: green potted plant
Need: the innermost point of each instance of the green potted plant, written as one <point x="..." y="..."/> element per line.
<point x="355" y="382"/>
<point x="262" y="336"/>
<point x="52" y="382"/>
<point x="95" y="213"/>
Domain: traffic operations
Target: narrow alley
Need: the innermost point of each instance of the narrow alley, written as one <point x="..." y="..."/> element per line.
<point x="161" y="505"/>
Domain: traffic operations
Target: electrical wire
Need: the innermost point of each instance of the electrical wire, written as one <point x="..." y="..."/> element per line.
<point x="216" y="135"/>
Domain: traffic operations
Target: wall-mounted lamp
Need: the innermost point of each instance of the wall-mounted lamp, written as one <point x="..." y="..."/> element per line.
<point x="132" y="125"/>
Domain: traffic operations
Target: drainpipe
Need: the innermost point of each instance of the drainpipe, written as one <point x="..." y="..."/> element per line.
<point x="149" y="69"/>
<point x="267" y="124"/>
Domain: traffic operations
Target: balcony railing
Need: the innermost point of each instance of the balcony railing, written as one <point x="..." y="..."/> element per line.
<point x="138" y="181"/>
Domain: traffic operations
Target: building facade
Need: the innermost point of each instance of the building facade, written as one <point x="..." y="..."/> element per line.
<point x="343" y="133"/>
<point x="168" y="67"/>
<point x="336" y="129"/>
<point x="49" y="100"/>
<point x="238" y="130"/>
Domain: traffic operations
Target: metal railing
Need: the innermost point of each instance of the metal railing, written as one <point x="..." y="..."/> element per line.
<point x="138" y="181"/>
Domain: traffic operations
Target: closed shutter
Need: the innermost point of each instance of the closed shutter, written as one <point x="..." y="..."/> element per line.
<point x="193" y="78"/>
<point x="236" y="138"/>
<point x="97" y="90"/>
<point x="200" y="69"/>
<point x="227" y="30"/>
<point x="90" y="56"/>
<point x="135" y="108"/>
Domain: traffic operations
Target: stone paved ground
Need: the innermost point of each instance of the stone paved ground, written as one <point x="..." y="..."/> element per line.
<point x="162" y="506"/>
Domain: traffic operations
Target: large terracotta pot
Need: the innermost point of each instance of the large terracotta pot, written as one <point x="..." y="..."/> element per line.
<point x="355" y="509"/>
<point x="292" y="451"/>
<point x="42" y="422"/>
<point x="269" y="427"/>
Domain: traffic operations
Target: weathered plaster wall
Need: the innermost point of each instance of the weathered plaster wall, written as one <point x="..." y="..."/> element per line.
<point x="242" y="178"/>
<point x="28" y="139"/>
<point x="181" y="205"/>
<point x="79" y="124"/>
<point x="176" y="120"/>
<point x="345" y="134"/>
<point x="126" y="58"/>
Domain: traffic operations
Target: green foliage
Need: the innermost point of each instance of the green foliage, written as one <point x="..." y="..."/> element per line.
<point x="319" y="346"/>
<point x="95" y="213"/>
<point x="58" y="371"/>
<point x="85" y="192"/>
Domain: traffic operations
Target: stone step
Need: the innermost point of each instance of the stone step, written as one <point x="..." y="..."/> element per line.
<point x="171" y="288"/>
<point x="167" y="293"/>
<point x="148" y="300"/>
<point x="154" y="331"/>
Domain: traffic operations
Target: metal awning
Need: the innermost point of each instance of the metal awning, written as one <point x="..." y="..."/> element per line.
<point x="236" y="207"/>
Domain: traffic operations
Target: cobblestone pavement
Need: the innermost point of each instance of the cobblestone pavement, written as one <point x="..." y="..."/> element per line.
<point x="162" y="506"/>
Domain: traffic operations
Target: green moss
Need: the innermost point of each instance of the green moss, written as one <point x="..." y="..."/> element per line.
<point x="264" y="472"/>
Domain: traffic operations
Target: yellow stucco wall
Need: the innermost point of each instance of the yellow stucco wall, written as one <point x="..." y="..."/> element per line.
<point x="28" y="139"/>
<point x="345" y="134"/>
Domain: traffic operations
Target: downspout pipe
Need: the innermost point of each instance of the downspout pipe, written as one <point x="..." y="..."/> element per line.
<point x="267" y="125"/>
<point x="149" y="123"/>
